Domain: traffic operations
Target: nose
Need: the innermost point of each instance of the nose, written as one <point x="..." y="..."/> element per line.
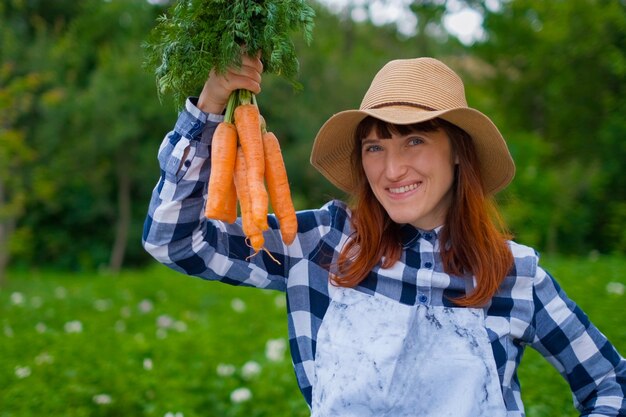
<point x="396" y="164"/>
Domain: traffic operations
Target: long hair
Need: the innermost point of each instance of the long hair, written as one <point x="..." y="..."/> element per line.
<point x="472" y="239"/>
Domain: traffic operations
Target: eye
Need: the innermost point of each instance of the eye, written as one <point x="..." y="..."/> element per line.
<point x="415" y="141"/>
<point x="371" y="147"/>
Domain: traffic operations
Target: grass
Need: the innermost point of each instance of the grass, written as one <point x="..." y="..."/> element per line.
<point x="143" y="343"/>
<point x="157" y="343"/>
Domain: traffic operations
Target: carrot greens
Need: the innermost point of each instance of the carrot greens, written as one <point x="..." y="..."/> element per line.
<point x="195" y="36"/>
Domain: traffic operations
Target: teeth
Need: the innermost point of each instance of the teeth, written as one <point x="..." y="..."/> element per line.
<point x="403" y="189"/>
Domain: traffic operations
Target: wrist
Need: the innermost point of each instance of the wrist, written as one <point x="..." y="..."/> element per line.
<point x="208" y="106"/>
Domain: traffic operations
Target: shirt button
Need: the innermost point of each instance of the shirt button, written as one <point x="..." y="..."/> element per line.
<point x="428" y="265"/>
<point x="422" y="298"/>
<point x="187" y="163"/>
<point x="428" y="236"/>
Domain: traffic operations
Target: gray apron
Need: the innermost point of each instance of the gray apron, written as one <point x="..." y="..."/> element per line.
<point x="378" y="357"/>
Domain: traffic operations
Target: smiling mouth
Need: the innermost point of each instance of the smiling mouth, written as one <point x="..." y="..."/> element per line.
<point x="403" y="189"/>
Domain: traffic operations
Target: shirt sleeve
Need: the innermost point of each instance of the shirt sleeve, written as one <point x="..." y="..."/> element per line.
<point x="591" y="365"/>
<point x="176" y="232"/>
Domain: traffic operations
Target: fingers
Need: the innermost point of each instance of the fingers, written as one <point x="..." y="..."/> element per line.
<point x="218" y="87"/>
<point x="248" y="76"/>
<point x="243" y="81"/>
<point x="253" y="62"/>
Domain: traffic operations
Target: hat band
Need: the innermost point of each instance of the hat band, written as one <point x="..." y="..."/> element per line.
<point x="401" y="103"/>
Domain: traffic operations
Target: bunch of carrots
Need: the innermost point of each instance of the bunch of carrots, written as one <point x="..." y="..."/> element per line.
<point x="247" y="166"/>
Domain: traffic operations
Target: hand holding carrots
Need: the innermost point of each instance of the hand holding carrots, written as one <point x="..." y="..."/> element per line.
<point x="245" y="158"/>
<point x="218" y="87"/>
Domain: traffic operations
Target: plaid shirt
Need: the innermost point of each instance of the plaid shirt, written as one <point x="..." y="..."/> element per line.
<point x="529" y="308"/>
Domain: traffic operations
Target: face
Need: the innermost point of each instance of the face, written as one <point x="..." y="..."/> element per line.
<point x="411" y="175"/>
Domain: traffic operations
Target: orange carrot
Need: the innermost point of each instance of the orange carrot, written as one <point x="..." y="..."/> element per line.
<point x="278" y="188"/>
<point x="247" y="120"/>
<point x="221" y="191"/>
<point x="252" y="232"/>
<point x="230" y="204"/>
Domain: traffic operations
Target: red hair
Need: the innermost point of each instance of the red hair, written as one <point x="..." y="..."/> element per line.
<point x="473" y="239"/>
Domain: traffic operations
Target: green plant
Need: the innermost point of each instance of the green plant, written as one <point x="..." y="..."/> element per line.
<point x="196" y="36"/>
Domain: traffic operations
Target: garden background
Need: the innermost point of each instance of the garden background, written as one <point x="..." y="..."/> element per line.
<point x="91" y="326"/>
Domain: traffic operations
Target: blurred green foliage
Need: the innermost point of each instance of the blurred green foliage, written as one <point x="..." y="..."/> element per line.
<point x="559" y="74"/>
<point x="78" y="158"/>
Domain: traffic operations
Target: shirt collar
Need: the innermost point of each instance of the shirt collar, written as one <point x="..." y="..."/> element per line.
<point x="410" y="234"/>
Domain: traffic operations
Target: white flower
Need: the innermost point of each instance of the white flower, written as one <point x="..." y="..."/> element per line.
<point x="225" y="369"/>
<point x="177" y="414"/>
<point x="180" y="326"/>
<point x="161" y="334"/>
<point x="147" y="364"/>
<point x="616" y="288"/>
<point x="41" y="327"/>
<point x="240" y="395"/>
<point x="74" y="326"/>
<point x="146" y="306"/>
<point x="60" y="293"/>
<point x="164" y="321"/>
<point x="43" y="358"/>
<point x="275" y="349"/>
<point x="102" y="305"/>
<point x="238" y="305"/>
<point x="280" y="301"/>
<point x="22" y="372"/>
<point x="17" y="298"/>
<point x="102" y="399"/>
<point x="250" y="369"/>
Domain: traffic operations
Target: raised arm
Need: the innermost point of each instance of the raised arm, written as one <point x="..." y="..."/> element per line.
<point x="176" y="232"/>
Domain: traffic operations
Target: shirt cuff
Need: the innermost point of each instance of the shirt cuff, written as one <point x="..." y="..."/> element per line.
<point x="191" y="105"/>
<point x="195" y="125"/>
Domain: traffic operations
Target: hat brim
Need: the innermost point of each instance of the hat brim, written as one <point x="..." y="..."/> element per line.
<point x="333" y="145"/>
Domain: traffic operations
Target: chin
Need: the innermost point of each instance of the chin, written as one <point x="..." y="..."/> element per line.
<point x="400" y="219"/>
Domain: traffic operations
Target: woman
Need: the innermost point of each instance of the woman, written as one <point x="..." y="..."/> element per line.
<point x="411" y="300"/>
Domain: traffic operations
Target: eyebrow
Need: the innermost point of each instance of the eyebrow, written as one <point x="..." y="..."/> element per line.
<point x="368" y="141"/>
<point x="409" y="134"/>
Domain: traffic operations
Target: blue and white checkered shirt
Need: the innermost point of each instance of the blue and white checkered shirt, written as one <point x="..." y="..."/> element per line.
<point x="529" y="308"/>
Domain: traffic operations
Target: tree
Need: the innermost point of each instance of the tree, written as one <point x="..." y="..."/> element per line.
<point x="107" y="126"/>
<point x="16" y="98"/>
<point x="19" y="88"/>
<point x="558" y="72"/>
<point x="91" y="123"/>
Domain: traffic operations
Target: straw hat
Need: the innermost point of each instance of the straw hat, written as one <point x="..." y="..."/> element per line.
<point x="407" y="91"/>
